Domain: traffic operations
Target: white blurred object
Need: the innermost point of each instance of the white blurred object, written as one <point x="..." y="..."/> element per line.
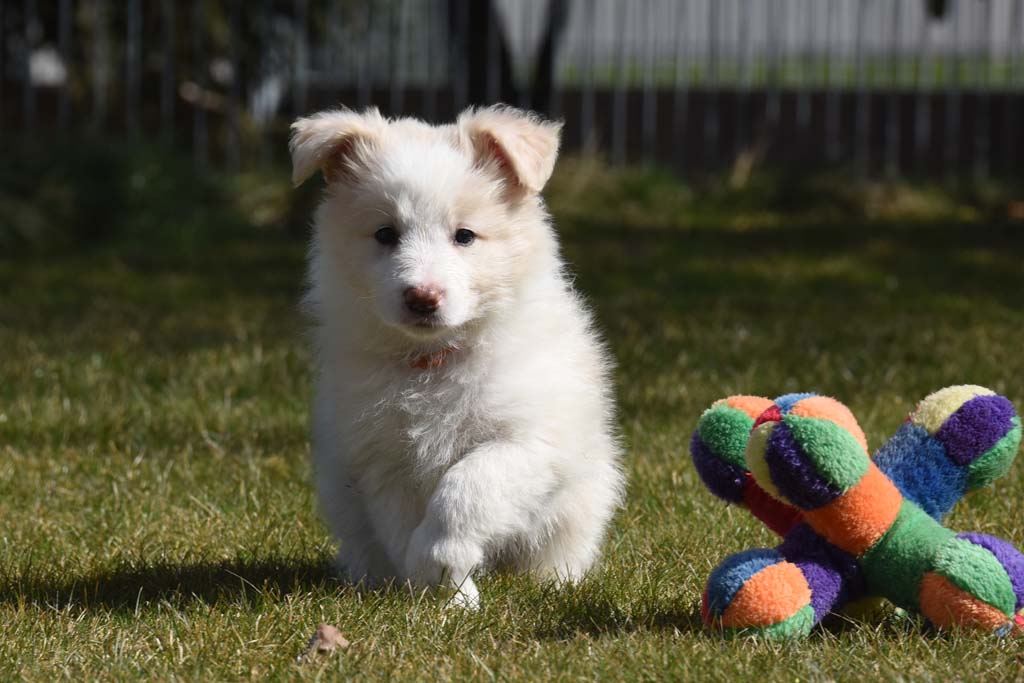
<point x="222" y="71"/>
<point x="46" y="68"/>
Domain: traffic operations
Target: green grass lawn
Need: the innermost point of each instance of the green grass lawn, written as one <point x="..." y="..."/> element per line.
<point x="158" y="519"/>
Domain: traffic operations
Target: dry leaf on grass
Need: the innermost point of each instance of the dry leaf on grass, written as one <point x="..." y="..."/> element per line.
<point x="326" y="640"/>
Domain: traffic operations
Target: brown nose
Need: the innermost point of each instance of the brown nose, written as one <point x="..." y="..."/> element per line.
<point x="423" y="300"/>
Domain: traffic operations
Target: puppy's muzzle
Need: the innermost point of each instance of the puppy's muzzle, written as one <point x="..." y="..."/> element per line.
<point x="423" y="300"/>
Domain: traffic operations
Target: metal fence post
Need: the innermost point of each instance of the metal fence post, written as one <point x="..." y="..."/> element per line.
<point x="619" y="97"/>
<point x="28" y="95"/>
<point x="199" y="65"/>
<point x="680" y="95"/>
<point x="133" y="29"/>
<point x="64" y="49"/>
<point x="167" y="75"/>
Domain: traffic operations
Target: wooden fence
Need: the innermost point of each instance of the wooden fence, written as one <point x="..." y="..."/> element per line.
<point x="921" y="87"/>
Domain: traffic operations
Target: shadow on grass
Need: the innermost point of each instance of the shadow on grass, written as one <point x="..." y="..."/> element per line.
<point x="129" y="588"/>
<point x="597" y="620"/>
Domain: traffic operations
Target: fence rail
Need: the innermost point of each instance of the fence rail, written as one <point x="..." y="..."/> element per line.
<point x="929" y="87"/>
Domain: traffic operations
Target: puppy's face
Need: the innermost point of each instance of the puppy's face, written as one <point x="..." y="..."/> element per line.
<point x="431" y="227"/>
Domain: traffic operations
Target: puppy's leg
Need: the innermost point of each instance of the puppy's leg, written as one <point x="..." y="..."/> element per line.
<point x="360" y="556"/>
<point x="497" y="492"/>
<point x="579" y="517"/>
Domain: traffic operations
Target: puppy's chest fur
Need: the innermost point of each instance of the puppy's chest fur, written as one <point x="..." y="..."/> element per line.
<point x="420" y="425"/>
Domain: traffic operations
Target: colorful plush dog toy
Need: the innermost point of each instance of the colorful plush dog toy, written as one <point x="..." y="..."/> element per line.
<point x="855" y="528"/>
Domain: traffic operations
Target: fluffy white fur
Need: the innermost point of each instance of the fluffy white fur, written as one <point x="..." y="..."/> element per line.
<point x="504" y="455"/>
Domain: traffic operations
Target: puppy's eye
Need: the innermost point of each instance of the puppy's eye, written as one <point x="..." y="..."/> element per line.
<point x="386" y="235"/>
<point x="464" y="236"/>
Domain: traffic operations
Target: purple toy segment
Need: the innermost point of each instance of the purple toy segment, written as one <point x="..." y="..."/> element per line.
<point x="794" y="474"/>
<point x="722" y="478"/>
<point x="832" y="574"/>
<point x="975" y="427"/>
<point x="1008" y="556"/>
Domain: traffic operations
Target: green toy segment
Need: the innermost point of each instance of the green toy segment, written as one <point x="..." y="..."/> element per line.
<point x="975" y="570"/>
<point x="796" y="626"/>
<point x="996" y="461"/>
<point x="726" y="430"/>
<point x="836" y="455"/>
<point x="895" y="565"/>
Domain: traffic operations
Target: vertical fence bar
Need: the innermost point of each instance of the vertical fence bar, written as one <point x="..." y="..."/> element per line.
<point x="555" y="96"/>
<point x="862" y="120"/>
<point x="680" y="95"/>
<point x="952" y="73"/>
<point x="64" y="48"/>
<point x="892" y="127"/>
<point x="803" y="100"/>
<point x="133" y="29"/>
<point x="234" y="141"/>
<point x="300" y="78"/>
<point x="167" y="74"/>
<point x="983" y="85"/>
<point x="619" y="97"/>
<point x="333" y="39"/>
<point x="832" y="147"/>
<point x="493" y="55"/>
<point x="740" y="140"/>
<point x="460" y="72"/>
<point x="266" y="75"/>
<point x="711" y="87"/>
<point x="776" y="22"/>
<point x="3" y="60"/>
<point x="587" y="94"/>
<point x="100" y="56"/>
<point x="398" y="78"/>
<point x="365" y="57"/>
<point x="28" y="95"/>
<point x="521" y="75"/>
<point x="922" y="102"/>
<point x="1013" y="90"/>
<point x="649" y="112"/>
<point x="430" y="83"/>
<point x="200" y="139"/>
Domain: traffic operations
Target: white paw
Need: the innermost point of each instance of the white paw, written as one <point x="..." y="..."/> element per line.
<point x="436" y="560"/>
<point x="466" y="596"/>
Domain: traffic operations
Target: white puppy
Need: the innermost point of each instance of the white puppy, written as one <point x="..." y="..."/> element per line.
<point x="463" y="416"/>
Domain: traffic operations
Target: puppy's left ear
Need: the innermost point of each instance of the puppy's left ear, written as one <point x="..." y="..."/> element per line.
<point x="519" y="145"/>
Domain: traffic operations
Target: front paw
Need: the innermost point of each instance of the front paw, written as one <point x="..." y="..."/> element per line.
<point x="435" y="559"/>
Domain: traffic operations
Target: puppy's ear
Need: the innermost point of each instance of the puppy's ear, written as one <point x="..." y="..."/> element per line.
<point x="331" y="141"/>
<point x="521" y="146"/>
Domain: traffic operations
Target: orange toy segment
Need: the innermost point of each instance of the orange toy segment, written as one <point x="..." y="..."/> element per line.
<point x="826" y="408"/>
<point x="751" y="405"/>
<point x="857" y="519"/>
<point x="774" y="594"/>
<point x="947" y="606"/>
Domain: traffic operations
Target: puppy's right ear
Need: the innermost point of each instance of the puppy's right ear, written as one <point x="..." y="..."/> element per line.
<point x="331" y="141"/>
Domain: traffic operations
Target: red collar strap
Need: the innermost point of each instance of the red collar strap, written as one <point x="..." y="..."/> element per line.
<point x="432" y="360"/>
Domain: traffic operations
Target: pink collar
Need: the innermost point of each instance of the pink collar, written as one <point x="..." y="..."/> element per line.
<point x="432" y="360"/>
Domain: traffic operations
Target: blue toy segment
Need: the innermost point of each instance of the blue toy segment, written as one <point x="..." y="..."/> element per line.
<point x="793" y="472"/>
<point x="833" y="574"/>
<point x="918" y="464"/>
<point x="787" y="401"/>
<point x="729" y="577"/>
